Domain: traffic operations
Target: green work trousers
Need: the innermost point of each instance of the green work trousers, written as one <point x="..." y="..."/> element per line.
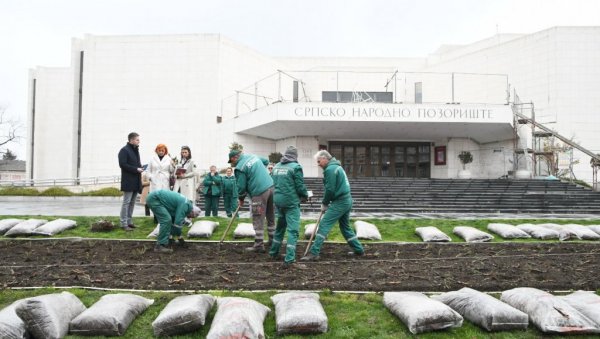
<point x="211" y="205"/>
<point x="165" y="219"/>
<point x="287" y="219"/>
<point x="230" y="203"/>
<point x="339" y="210"/>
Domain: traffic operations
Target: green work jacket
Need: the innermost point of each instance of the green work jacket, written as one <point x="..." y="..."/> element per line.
<point x="212" y="185"/>
<point x="252" y="176"/>
<point x="289" y="184"/>
<point x="335" y="182"/>
<point x="229" y="186"/>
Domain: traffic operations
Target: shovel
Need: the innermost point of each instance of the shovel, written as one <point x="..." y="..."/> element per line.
<point x="312" y="236"/>
<point x="230" y="223"/>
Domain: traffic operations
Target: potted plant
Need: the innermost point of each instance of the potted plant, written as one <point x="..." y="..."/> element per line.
<point x="465" y="158"/>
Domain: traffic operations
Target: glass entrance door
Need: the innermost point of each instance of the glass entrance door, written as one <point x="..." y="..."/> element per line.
<point x="384" y="159"/>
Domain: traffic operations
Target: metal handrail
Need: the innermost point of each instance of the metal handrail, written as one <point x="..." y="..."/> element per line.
<point x="113" y="179"/>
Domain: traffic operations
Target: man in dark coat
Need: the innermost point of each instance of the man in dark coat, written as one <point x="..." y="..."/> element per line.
<point x="131" y="178"/>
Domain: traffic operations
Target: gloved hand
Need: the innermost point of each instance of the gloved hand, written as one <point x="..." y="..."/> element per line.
<point x="324" y="208"/>
<point x="303" y="199"/>
<point x="187" y="223"/>
<point x="241" y="202"/>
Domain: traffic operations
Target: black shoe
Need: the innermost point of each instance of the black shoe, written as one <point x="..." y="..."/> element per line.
<point x="356" y="254"/>
<point x="286" y="265"/>
<point x="310" y="257"/>
<point x="162" y="249"/>
<point x="127" y="228"/>
<point x="181" y="243"/>
<point x="131" y="226"/>
<point x="171" y="242"/>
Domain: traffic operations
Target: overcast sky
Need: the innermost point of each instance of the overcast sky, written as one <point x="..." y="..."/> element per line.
<point x="38" y="32"/>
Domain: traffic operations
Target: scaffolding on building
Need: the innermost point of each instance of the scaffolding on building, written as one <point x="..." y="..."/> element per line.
<point x="541" y="136"/>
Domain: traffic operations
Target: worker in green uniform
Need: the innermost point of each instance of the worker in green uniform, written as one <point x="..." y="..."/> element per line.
<point x="336" y="205"/>
<point x="289" y="192"/>
<point x="212" y="192"/>
<point x="230" y="194"/>
<point x="254" y="180"/>
<point x="170" y="208"/>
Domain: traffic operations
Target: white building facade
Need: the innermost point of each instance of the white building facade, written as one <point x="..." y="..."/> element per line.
<point x="399" y="117"/>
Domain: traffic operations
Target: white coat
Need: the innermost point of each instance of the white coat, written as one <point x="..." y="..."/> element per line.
<point x="159" y="172"/>
<point x="187" y="185"/>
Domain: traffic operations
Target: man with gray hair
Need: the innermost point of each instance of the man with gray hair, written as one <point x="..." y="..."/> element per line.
<point x="336" y="205"/>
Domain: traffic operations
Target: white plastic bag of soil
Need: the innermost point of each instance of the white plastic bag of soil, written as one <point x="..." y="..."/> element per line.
<point x="595" y="228"/>
<point x="484" y="310"/>
<point x="432" y="234"/>
<point x="154" y="232"/>
<point x="365" y="230"/>
<point x="538" y="232"/>
<point x="299" y="312"/>
<point x="548" y="313"/>
<point x="308" y="230"/>
<point x="54" y="227"/>
<point x="244" y="230"/>
<point x="507" y="231"/>
<point x="7" y="224"/>
<point x="420" y="313"/>
<point x="563" y="232"/>
<point x="110" y="316"/>
<point x="48" y="316"/>
<point x="238" y="318"/>
<point x="25" y="228"/>
<point x="183" y="315"/>
<point x="471" y="234"/>
<point x="588" y="303"/>
<point x="582" y="232"/>
<point x="202" y="229"/>
<point x="11" y="326"/>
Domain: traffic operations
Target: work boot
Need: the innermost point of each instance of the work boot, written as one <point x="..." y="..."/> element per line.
<point x="181" y="243"/>
<point x="171" y="242"/>
<point x="131" y="226"/>
<point x="127" y="228"/>
<point x="310" y="257"/>
<point x="162" y="249"/>
<point x="276" y="257"/>
<point x="356" y="254"/>
<point x="286" y="265"/>
<point x="258" y="247"/>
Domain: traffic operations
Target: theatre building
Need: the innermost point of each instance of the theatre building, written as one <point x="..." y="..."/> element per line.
<point x="381" y="117"/>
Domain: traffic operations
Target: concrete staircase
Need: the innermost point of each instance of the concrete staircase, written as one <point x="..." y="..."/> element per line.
<point x="394" y="195"/>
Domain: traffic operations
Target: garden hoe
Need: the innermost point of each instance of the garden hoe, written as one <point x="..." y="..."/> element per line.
<point x="312" y="236"/>
<point x="230" y="223"/>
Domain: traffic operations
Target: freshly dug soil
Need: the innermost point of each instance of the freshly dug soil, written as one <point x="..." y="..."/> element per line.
<point x="385" y="267"/>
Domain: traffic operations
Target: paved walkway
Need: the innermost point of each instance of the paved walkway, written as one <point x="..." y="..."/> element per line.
<point x="111" y="206"/>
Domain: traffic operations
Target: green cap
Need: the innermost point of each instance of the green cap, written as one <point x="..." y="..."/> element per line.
<point x="232" y="154"/>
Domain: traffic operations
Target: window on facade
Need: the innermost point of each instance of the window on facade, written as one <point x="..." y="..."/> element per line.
<point x="418" y="92"/>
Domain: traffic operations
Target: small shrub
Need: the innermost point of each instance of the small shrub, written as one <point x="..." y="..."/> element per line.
<point x="106" y="192"/>
<point x="19" y="191"/>
<point x="56" y="192"/>
<point x="275" y="157"/>
<point x="102" y="226"/>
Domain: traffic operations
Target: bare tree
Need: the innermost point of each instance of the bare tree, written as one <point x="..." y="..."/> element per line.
<point x="9" y="131"/>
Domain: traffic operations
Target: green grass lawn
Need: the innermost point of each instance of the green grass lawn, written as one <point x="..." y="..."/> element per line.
<point x="350" y="316"/>
<point x="399" y="230"/>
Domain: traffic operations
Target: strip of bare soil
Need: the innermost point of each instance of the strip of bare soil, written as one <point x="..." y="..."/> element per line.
<point x="385" y="267"/>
